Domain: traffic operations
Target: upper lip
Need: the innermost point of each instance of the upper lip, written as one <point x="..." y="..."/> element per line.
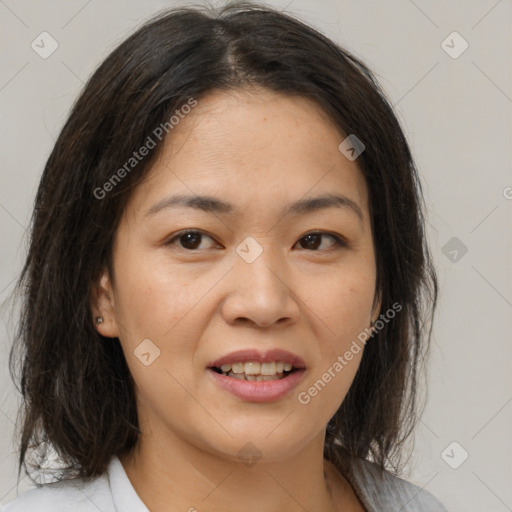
<point x="254" y="355"/>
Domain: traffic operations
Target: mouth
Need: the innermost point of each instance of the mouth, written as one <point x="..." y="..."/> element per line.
<point x="255" y="371"/>
<point x="253" y="376"/>
<point x="250" y="386"/>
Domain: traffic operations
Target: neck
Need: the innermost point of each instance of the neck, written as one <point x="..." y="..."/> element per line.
<point x="178" y="476"/>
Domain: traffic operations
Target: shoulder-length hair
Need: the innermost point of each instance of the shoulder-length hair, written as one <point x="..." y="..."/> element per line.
<point x="78" y="392"/>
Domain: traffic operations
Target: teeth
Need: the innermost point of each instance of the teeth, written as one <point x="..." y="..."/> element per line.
<point x="254" y="368"/>
<point x="254" y="378"/>
<point x="238" y="368"/>
<point x="268" y="368"/>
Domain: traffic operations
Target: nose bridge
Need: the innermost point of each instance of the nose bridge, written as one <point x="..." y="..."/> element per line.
<point x="260" y="290"/>
<point x="263" y="272"/>
<point x="260" y="268"/>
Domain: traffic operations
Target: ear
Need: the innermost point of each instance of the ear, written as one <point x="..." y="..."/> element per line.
<point x="102" y="305"/>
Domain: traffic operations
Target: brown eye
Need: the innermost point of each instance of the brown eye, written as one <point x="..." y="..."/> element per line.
<point x="189" y="240"/>
<point x="312" y="241"/>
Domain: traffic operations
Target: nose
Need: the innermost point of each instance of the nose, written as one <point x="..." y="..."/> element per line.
<point x="260" y="294"/>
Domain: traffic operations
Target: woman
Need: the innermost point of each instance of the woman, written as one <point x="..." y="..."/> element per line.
<point x="228" y="281"/>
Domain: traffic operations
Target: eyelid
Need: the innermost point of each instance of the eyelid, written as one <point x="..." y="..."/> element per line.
<point x="174" y="236"/>
<point x="340" y="241"/>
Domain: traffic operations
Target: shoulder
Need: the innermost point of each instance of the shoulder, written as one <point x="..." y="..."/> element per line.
<point x="381" y="490"/>
<point x="79" y="495"/>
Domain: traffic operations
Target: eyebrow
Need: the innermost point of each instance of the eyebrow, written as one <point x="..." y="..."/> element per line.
<point x="214" y="205"/>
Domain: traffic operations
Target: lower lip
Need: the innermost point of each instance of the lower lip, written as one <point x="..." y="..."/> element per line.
<point x="259" y="391"/>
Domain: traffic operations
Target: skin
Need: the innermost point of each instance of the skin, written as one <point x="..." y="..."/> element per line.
<point x="259" y="151"/>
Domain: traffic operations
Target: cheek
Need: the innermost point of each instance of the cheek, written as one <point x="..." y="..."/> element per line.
<point x="156" y="302"/>
<point x="342" y="300"/>
<point x="151" y="296"/>
<point x="342" y="309"/>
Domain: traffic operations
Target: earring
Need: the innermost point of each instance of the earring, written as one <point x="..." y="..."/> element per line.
<point x="99" y="319"/>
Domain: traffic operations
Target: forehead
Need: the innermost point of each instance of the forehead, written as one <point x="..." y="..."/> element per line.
<point x="255" y="149"/>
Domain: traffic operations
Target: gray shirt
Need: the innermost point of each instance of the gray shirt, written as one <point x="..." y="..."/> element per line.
<point x="378" y="490"/>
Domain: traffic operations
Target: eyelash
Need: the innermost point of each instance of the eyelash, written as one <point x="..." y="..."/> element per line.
<point x="339" y="242"/>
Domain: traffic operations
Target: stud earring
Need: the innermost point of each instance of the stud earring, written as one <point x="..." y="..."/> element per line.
<point x="99" y="319"/>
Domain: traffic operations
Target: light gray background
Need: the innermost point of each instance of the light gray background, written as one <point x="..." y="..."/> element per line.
<point x="456" y="113"/>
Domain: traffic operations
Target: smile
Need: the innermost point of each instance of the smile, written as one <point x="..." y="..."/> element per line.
<point x="255" y="371"/>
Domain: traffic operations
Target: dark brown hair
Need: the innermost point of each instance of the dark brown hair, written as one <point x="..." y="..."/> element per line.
<point x="78" y="393"/>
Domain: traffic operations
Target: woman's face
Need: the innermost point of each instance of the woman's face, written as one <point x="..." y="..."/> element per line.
<point x="249" y="279"/>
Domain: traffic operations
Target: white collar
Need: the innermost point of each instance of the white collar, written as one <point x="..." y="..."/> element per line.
<point x="123" y="494"/>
